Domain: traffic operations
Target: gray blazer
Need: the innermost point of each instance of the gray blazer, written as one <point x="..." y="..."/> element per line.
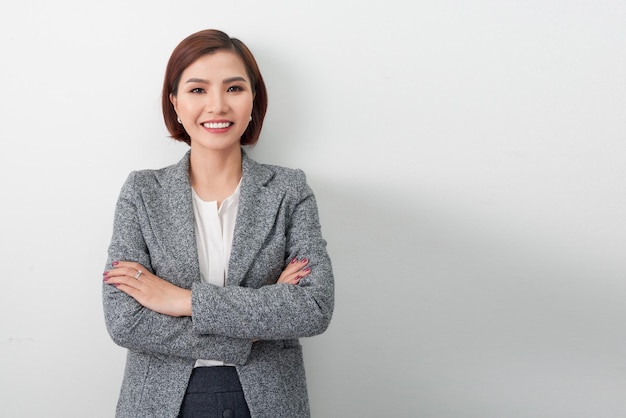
<point x="277" y="220"/>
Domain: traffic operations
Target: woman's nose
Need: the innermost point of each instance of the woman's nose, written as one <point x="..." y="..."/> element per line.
<point x="216" y="103"/>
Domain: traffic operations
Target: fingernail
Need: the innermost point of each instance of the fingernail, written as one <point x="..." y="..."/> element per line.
<point x="298" y="277"/>
<point x="304" y="260"/>
<point x="307" y="269"/>
<point x="115" y="263"/>
<point x="294" y="261"/>
<point x="106" y="279"/>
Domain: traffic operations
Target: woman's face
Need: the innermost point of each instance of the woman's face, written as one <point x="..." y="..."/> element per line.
<point x="214" y="101"/>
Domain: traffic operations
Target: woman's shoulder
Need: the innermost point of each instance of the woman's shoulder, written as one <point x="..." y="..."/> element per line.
<point x="283" y="171"/>
<point x="153" y="174"/>
<point x="277" y="174"/>
<point x="148" y="176"/>
<point x="156" y="177"/>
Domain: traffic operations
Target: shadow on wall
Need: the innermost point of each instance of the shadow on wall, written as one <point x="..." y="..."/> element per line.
<point x="448" y="313"/>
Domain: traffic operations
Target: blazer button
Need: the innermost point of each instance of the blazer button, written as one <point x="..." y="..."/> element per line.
<point x="228" y="414"/>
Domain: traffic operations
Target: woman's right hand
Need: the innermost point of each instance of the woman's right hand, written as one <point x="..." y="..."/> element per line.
<point x="295" y="270"/>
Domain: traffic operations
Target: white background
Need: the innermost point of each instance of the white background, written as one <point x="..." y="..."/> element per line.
<point x="468" y="159"/>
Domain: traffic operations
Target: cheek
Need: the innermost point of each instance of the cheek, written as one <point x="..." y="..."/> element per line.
<point x="246" y="101"/>
<point x="249" y="107"/>
<point x="187" y="107"/>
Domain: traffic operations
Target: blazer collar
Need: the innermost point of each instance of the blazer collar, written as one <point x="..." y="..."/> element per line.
<point x="253" y="173"/>
<point x="258" y="207"/>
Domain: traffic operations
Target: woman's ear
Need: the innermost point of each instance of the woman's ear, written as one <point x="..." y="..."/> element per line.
<point x="174" y="101"/>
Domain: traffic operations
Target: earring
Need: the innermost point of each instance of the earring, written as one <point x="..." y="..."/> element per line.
<point x="179" y="121"/>
<point x="250" y="118"/>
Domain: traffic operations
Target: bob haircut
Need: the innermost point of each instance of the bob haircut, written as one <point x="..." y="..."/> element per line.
<point x="188" y="51"/>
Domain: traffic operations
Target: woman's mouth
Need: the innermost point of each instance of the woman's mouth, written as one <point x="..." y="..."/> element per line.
<point x="217" y="125"/>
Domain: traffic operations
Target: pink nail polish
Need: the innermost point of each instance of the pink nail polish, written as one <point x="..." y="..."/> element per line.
<point x="115" y="263"/>
<point x="304" y="260"/>
<point x="294" y="261"/>
<point x="307" y="269"/>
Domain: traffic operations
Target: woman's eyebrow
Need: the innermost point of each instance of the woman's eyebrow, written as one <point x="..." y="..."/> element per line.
<point x="233" y="79"/>
<point x="226" y="81"/>
<point x="197" y="80"/>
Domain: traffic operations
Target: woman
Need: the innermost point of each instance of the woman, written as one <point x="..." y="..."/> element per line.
<point x="217" y="264"/>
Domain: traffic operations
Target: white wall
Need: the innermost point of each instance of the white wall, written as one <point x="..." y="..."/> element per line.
<point x="468" y="159"/>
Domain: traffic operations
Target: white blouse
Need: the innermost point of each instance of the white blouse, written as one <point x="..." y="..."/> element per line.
<point x="214" y="228"/>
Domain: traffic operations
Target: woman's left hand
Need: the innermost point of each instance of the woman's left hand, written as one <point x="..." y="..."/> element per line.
<point x="295" y="270"/>
<point x="149" y="290"/>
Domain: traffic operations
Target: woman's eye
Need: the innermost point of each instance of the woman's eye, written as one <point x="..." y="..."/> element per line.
<point x="197" y="90"/>
<point x="232" y="89"/>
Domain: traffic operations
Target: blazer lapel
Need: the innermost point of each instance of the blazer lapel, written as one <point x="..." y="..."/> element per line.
<point x="172" y="220"/>
<point x="258" y="208"/>
<point x="171" y="216"/>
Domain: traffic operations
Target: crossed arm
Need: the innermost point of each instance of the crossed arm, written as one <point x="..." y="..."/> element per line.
<point x="166" y="298"/>
<point x="151" y="314"/>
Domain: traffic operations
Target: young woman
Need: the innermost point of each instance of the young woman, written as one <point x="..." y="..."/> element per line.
<point x="217" y="264"/>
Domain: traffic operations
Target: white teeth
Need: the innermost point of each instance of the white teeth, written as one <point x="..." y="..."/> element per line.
<point x="216" y="125"/>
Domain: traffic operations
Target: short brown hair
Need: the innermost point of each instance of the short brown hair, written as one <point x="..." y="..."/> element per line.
<point x="187" y="52"/>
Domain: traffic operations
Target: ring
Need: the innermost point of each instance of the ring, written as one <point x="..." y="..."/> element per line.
<point x="138" y="274"/>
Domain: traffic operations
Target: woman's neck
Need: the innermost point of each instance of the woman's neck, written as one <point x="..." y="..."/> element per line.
<point x="215" y="175"/>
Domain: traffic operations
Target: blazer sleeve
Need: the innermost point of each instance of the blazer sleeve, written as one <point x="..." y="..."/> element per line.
<point x="278" y="311"/>
<point x="138" y="328"/>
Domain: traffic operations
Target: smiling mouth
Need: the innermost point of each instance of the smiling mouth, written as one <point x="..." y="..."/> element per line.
<point x="217" y="125"/>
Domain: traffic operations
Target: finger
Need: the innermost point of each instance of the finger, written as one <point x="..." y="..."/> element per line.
<point x="304" y="272"/>
<point x="295" y="279"/>
<point x="129" y="265"/>
<point x="130" y="291"/>
<point x="122" y="271"/>
<point x="128" y="268"/>
<point x="122" y="281"/>
<point x="292" y="267"/>
<point x="287" y="278"/>
<point x="296" y="265"/>
<point x="294" y="271"/>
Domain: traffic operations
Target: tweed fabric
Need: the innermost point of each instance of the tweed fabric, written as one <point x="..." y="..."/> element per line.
<point x="277" y="220"/>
